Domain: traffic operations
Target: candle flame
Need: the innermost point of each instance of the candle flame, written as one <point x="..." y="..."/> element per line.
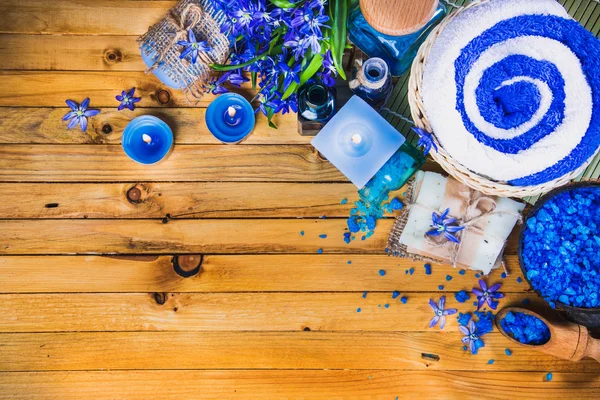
<point x="231" y="111"/>
<point x="146" y="138"/>
<point x="356" y="138"/>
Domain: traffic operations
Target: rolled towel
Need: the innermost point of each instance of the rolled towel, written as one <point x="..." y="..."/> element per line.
<point x="511" y="89"/>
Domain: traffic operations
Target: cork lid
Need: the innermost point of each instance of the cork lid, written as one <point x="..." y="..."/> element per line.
<point x="398" y="17"/>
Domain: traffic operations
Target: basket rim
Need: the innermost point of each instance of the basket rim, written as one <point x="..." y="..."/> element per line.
<point x="448" y="163"/>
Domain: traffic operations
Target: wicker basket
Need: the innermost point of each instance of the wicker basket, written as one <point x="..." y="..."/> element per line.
<point x="450" y="165"/>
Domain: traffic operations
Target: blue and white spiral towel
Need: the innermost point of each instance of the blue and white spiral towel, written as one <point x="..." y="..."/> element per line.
<point x="512" y="91"/>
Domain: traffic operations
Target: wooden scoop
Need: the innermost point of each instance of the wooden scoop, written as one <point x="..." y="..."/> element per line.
<point x="568" y="341"/>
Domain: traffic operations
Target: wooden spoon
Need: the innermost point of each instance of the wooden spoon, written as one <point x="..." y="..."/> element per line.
<point x="568" y="341"/>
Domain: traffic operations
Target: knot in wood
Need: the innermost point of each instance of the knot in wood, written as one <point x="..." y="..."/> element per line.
<point x="187" y="265"/>
<point x="160" y="298"/>
<point x="106" y="129"/>
<point x="134" y="195"/>
<point x="112" y="56"/>
<point x="163" y="96"/>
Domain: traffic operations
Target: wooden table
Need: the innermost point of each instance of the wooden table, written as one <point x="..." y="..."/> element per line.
<point x="94" y="298"/>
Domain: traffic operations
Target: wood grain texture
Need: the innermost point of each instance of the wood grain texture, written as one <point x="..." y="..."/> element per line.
<point x="70" y="53"/>
<point x="238" y="273"/>
<point x="178" y="199"/>
<point x="267" y="350"/>
<point x="315" y="385"/>
<point x="52" y="88"/>
<point x="193" y="312"/>
<point x="45" y="126"/>
<point x="183" y="236"/>
<point x="99" y="17"/>
<point x="91" y="163"/>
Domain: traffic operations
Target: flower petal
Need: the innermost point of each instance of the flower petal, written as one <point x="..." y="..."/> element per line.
<point x="483" y="285"/>
<point x="495" y="287"/>
<point x="464" y="330"/>
<point x="84" y="104"/>
<point x="434" y="232"/>
<point x="465" y="339"/>
<point x="191" y="36"/>
<point x="119" y="97"/>
<point x="493" y="304"/>
<point x="131" y="91"/>
<point x="480" y="303"/>
<point x="433" y="305"/>
<point x="91" y="112"/>
<point x="72" y="123"/>
<point x="477" y="292"/>
<point x="185" y="52"/>
<point x="434" y="321"/>
<point x="121" y="106"/>
<point x="136" y="99"/>
<point x="69" y="115"/>
<point x="472" y="347"/>
<point x="74" y="106"/>
<point x="83" y="123"/>
<point x="442" y="302"/>
<point x="442" y="322"/>
<point x="472" y="327"/>
<point x="450" y="311"/>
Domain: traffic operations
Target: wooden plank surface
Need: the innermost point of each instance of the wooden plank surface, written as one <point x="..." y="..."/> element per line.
<point x="45" y="126"/>
<point x="296" y="384"/>
<point x="178" y="199"/>
<point x="192" y="312"/>
<point x="239" y="273"/>
<point x="268" y="350"/>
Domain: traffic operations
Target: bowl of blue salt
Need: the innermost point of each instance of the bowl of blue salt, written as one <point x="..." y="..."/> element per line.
<point x="524" y="327"/>
<point x="559" y="251"/>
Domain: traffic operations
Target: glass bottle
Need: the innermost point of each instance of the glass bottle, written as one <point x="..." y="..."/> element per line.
<point x="316" y="102"/>
<point x="397" y="51"/>
<point x="393" y="175"/>
<point x="372" y="82"/>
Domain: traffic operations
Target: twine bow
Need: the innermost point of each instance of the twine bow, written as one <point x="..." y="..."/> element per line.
<point x="473" y="214"/>
<point x="195" y="13"/>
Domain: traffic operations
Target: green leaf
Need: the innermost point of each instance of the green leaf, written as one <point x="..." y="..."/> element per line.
<point x="270" y="113"/>
<point x="282" y="3"/>
<point x="315" y="64"/>
<point x="338" y="12"/>
<point x="230" y="67"/>
<point x="253" y="76"/>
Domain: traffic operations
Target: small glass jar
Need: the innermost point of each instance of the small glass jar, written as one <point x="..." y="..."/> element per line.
<point x="397" y="51"/>
<point x="372" y="82"/>
<point x="393" y="175"/>
<point x="316" y="102"/>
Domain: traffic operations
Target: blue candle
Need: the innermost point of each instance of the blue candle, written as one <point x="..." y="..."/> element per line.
<point x="147" y="139"/>
<point x="230" y="118"/>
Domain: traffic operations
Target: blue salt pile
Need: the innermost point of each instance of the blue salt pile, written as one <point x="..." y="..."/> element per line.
<point x="364" y="216"/>
<point x="561" y="248"/>
<point x="525" y="328"/>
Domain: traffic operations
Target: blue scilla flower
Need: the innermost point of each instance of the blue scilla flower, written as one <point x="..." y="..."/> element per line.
<point x="193" y="47"/>
<point x="318" y="4"/>
<point x="215" y="86"/>
<point x="291" y="74"/>
<point x="487" y="295"/>
<point x="329" y="72"/>
<point x="79" y="114"/>
<point x="442" y="224"/>
<point x="425" y="140"/>
<point x="439" y="312"/>
<point x="471" y="337"/>
<point x="127" y="100"/>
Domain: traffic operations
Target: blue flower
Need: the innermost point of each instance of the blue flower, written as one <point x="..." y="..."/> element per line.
<point x="446" y="225"/>
<point x="487" y="295"/>
<point x="237" y="78"/>
<point x="215" y="86"/>
<point x="471" y="337"/>
<point x="291" y="74"/>
<point x="439" y="312"/>
<point x="193" y="47"/>
<point x="329" y="71"/>
<point x="425" y="140"/>
<point x="127" y="99"/>
<point x="79" y="114"/>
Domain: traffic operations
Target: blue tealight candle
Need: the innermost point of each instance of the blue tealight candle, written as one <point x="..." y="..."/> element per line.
<point x="230" y="118"/>
<point x="147" y="139"/>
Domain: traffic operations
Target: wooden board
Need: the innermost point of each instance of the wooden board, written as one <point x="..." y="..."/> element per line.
<point x="265" y="316"/>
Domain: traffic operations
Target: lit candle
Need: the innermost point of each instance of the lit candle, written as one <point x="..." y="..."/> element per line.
<point x="147" y="139"/>
<point x="230" y="118"/>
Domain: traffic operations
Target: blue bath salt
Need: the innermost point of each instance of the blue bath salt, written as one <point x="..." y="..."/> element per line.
<point x="301" y="233"/>
<point x="323" y="216"/>
<point x="508" y="352"/>
<point x="427" y="269"/>
<point x="561" y="248"/>
<point x="549" y="376"/>
<point x="503" y="275"/>
<point x="396" y="204"/>
<point x="323" y="236"/>
<point x="395" y="294"/>
<point x="364" y="296"/>
<point x="344" y="201"/>
<point x="387" y="306"/>
<point x="462" y="272"/>
<point x="461" y="296"/>
<point x="411" y="271"/>
<point x="448" y="277"/>
<point x="525" y="328"/>
<point x="405" y="272"/>
<point x="477" y="276"/>
<point x="485" y="322"/>
<point x="463" y="319"/>
<point x="526" y="301"/>
<point x="464" y="348"/>
<point x="519" y="280"/>
<point x="441" y="287"/>
<point x="403" y="299"/>
<point x="347" y="237"/>
<point x="475" y="303"/>
<point x="490" y="362"/>
<point x="358" y="310"/>
<point x="349" y="262"/>
<point x="320" y="251"/>
<point x="381" y="272"/>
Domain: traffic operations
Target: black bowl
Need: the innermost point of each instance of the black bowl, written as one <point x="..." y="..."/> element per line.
<point x="589" y="317"/>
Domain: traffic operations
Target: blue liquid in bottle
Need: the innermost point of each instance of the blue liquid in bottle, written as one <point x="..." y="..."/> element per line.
<point x="397" y="51"/>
